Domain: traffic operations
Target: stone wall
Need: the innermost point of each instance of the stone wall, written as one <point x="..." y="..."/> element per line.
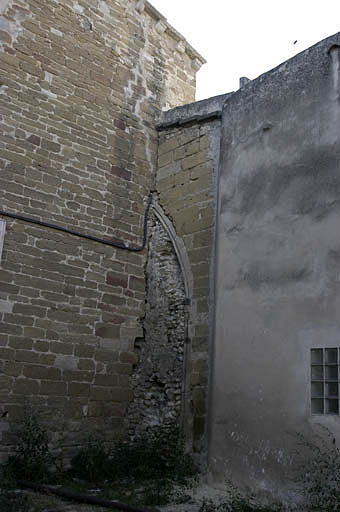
<point x="82" y="83"/>
<point x="158" y="379"/>
<point x="186" y="179"/>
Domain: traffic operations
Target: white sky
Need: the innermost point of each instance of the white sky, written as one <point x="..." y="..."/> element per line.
<point x="247" y="37"/>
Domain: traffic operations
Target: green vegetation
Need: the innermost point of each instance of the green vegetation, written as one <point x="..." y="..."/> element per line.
<point x="318" y="469"/>
<point x="32" y="458"/>
<point x="155" y="455"/>
<point x="153" y="470"/>
<point x="154" y="465"/>
<point x="11" y="500"/>
<point x="237" y="503"/>
<point x="150" y="470"/>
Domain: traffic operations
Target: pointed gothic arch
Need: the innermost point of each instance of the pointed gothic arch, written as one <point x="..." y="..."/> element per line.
<point x="184" y="263"/>
<point x="179" y="248"/>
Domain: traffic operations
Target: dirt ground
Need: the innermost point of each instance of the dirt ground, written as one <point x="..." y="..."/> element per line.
<point x="50" y="503"/>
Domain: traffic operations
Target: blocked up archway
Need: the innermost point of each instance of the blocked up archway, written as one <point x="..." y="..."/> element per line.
<point x="161" y="379"/>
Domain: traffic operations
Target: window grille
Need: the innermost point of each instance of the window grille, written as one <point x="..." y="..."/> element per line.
<point x="325" y="380"/>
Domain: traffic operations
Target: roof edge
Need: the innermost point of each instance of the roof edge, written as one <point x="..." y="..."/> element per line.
<point x="192" y="53"/>
<point x="197" y="112"/>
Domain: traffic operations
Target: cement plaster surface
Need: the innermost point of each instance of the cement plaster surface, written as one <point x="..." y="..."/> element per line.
<point x="278" y="267"/>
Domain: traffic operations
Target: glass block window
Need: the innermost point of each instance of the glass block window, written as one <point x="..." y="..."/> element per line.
<point x="325" y="380"/>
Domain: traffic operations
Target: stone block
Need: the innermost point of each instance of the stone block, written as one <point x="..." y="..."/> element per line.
<point x="104" y="409"/>
<point x="6" y="382"/>
<point x="120" y="368"/>
<point x="58" y="347"/>
<point x="41" y="372"/>
<point x="202" y="305"/>
<point x="116" y="279"/>
<point x="105" y="356"/>
<point x="199" y="401"/>
<point x="34" y="139"/>
<point x="121" y="173"/>
<point x="200" y="255"/>
<point x="34" y="332"/>
<point x="26" y="387"/>
<point x="100" y="393"/>
<point x="203" y="239"/>
<point x="84" y="350"/>
<point x="188" y="134"/>
<point x="5" y="37"/>
<point x="121" y="395"/>
<point x="47" y="359"/>
<point x="66" y="362"/>
<point x="41" y="346"/>
<point x="32" y="69"/>
<point x="202" y="282"/>
<point x="200" y="365"/>
<point x="193" y="160"/>
<point x="200" y="344"/>
<point x="86" y="364"/>
<point x="192" y="219"/>
<point x="186" y="150"/>
<point x="78" y="376"/>
<point x="204" y="142"/>
<point x="136" y="283"/>
<point x="166" y="171"/>
<point x="78" y="389"/>
<point x="49" y="387"/>
<point x="131" y="333"/>
<point x="198" y="427"/>
<point x="27" y="309"/>
<point x="18" y="319"/>
<point x="6" y="306"/>
<point x="199" y="379"/>
<point x="12" y="368"/>
<point x="107" y="331"/>
<point x="165" y="159"/>
<point x="27" y="356"/>
<point x="168" y="144"/>
<point x="7" y="353"/>
<point x="201" y="270"/>
<point x="113" y="299"/>
<point x="20" y="342"/>
<point x="106" y="380"/>
<point x="128" y="357"/>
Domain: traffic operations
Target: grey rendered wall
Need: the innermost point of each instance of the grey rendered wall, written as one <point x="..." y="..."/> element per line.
<point x="278" y="266"/>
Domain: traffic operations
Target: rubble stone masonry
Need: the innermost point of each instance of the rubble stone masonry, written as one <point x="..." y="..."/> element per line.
<point x="81" y="85"/>
<point x="158" y="380"/>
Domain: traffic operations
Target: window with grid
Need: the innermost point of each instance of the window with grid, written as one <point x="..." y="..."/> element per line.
<point x="325" y="380"/>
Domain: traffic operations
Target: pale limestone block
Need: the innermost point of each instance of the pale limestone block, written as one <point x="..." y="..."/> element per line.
<point x="2" y="235"/>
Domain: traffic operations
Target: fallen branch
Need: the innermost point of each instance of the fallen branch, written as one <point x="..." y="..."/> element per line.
<point x="82" y="498"/>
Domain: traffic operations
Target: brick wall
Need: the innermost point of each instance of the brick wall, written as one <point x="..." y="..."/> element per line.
<point x="81" y="85"/>
<point x="188" y="152"/>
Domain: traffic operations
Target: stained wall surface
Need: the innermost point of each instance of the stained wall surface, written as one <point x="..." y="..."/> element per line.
<point x="82" y="84"/>
<point x="277" y="283"/>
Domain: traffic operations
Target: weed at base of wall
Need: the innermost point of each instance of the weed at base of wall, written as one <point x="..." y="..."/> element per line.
<point x="318" y="470"/>
<point x="237" y="503"/>
<point x="152" y="469"/>
<point x="11" y="499"/>
<point x="32" y="458"/>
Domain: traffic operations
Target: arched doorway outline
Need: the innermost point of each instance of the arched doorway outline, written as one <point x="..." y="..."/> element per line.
<point x="184" y="263"/>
